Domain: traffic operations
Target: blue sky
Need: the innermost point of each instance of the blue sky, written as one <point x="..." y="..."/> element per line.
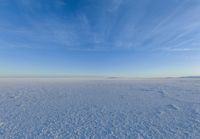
<point x="139" y="38"/>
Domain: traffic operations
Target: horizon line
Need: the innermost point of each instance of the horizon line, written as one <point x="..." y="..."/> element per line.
<point x="86" y="76"/>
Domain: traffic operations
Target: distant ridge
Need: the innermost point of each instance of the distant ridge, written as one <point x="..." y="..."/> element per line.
<point x="60" y="76"/>
<point x="191" y="77"/>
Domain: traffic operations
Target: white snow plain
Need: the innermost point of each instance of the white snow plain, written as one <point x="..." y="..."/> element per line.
<point x="99" y="108"/>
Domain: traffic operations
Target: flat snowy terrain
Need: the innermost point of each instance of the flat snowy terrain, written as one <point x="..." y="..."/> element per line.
<point x="99" y="108"/>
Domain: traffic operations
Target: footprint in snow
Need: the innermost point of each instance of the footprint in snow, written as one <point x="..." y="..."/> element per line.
<point x="1" y="124"/>
<point x="162" y="93"/>
<point x="14" y="96"/>
<point x="173" y="107"/>
<point x="139" y="136"/>
<point x="196" y="111"/>
<point x="19" y="105"/>
<point x="1" y="128"/>
<point x="122" y="96"/>
<point x="160" y="113"/>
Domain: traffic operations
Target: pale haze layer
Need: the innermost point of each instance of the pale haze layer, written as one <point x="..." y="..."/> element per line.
<point x="139" y="38"/>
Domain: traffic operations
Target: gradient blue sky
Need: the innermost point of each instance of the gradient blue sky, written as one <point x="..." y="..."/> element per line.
<point x="140" y="38"/>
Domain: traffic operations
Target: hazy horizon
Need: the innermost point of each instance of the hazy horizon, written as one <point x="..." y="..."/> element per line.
<point x="89" y="76"/>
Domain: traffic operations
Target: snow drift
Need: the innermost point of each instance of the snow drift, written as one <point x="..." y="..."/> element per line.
<point x="100" y="108"/>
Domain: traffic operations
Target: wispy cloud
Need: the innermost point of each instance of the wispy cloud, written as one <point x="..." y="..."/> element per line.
<point x="180" y="49"/>
<point x="125" y="25"/>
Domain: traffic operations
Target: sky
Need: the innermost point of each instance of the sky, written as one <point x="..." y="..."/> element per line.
<point x="134" y="38"/>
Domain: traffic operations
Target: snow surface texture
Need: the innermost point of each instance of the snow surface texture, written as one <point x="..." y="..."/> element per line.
<point x="106" y="108"/>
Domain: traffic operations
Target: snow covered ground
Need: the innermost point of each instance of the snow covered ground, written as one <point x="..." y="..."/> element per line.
<point x="100" y="108"/>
